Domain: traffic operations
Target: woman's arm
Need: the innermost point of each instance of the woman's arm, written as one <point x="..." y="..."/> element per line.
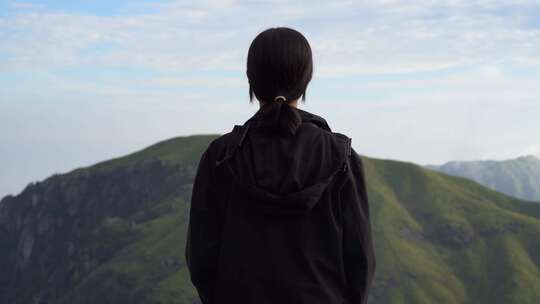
<point x="358" y="251"/>
<point x="202" y="243"/>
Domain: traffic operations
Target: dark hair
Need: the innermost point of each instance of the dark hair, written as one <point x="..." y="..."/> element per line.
<point x="279" y="63"/>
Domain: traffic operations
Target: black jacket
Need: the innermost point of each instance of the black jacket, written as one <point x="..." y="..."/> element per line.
<point x="280" y="220"/>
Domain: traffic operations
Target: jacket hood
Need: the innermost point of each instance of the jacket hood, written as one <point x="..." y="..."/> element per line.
<point x="286" y="175"/>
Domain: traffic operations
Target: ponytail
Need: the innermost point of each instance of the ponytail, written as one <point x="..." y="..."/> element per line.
<point x="278" y="117"/>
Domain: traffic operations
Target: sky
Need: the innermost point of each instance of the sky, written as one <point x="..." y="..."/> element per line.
<point x="419" y="81"/>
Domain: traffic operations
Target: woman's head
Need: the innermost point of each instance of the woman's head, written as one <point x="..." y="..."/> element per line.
<point x="279" y="63"/>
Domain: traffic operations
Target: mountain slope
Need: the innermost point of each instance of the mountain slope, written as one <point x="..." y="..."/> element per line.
<point x="109" y="233"/>
<point x="114" y="233"/>
<point x="444" y="239"/>
<point x="518" y="177"/>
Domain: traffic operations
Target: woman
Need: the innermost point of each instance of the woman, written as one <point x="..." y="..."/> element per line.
<point x="279" y="210"/>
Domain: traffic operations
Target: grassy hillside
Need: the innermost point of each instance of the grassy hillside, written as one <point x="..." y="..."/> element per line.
<point x="443" y="239"/>
<point x="438" y="238"/>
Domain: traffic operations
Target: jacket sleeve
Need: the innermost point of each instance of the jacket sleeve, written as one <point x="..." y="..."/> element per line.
<point x="203" y="237"/>
<point x="358" y="251"/>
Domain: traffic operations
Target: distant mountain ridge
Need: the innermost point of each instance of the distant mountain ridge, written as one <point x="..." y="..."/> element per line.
<point x="518" y="177"/>
<point x="115" y="233"/>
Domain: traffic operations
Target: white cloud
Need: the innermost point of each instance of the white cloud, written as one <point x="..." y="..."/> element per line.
<point x="205" y="82"/>
<point x="348" y="38"/>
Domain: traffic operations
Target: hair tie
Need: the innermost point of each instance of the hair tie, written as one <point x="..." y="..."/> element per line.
<point x="277" y="98"/>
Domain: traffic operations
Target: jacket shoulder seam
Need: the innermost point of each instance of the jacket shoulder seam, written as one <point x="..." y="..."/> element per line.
<point x="347" y="143"/>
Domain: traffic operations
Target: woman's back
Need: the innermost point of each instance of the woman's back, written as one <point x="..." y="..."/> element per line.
<point x="279" y="219"/>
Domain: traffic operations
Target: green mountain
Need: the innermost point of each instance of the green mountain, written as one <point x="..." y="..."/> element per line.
<point x="114" y="233"/>
<point x="518" y="177"/>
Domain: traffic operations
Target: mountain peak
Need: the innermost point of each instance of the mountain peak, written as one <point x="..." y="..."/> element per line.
<point x="529" y="157"/>
<point x="518" y="177"/>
